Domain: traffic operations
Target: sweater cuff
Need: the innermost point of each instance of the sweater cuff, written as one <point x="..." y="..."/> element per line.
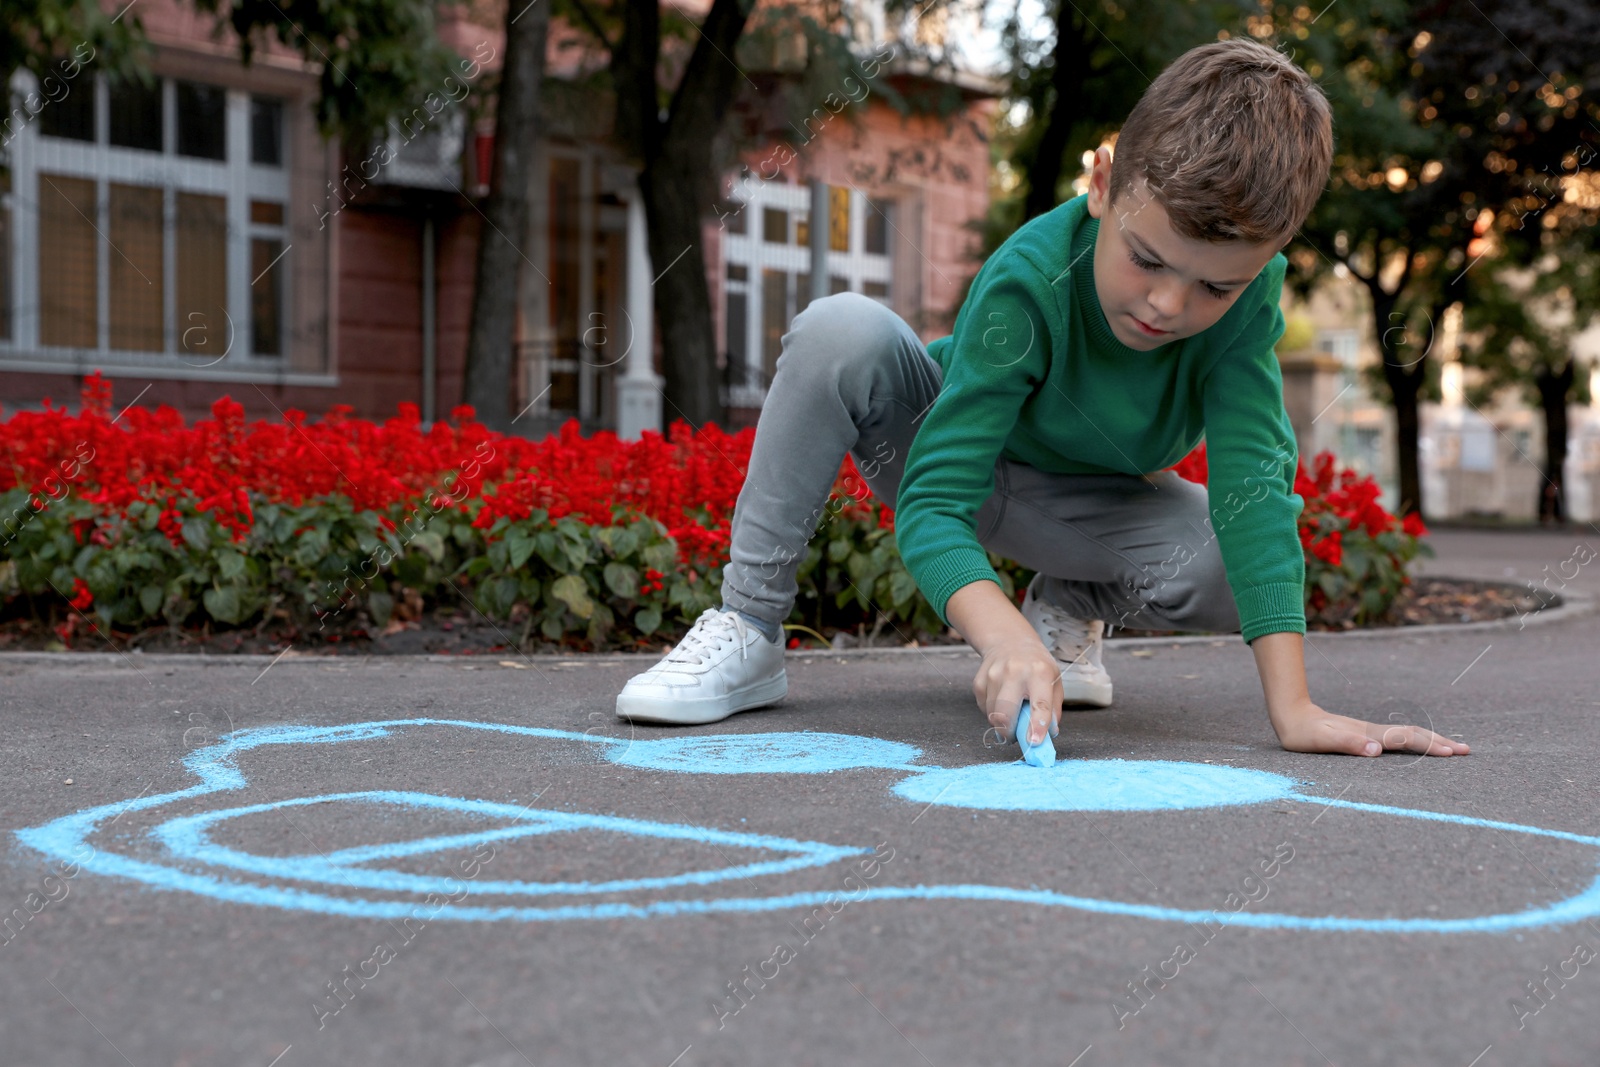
<point x="941" y="578"/>
<point x="1278" y="607"/>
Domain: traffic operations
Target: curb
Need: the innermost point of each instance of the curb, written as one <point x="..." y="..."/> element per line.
<point x="1571" y="607"/>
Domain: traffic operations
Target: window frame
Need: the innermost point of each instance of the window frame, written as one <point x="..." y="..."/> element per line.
<point x="752" y="251"/>
<point x="236" y="180"/>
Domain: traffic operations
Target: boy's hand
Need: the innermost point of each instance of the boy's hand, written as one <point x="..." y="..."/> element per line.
<point x="1301" y="726"/>
<point x="1011" y="671"/>
<point x="1310" y="729"/>
<point x="1015" y="662"/>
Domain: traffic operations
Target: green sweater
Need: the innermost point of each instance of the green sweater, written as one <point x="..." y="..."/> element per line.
<point x="1034" y="373"/>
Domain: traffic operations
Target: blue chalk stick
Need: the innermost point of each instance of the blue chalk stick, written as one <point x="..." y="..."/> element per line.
<point x="1041" y="755"/>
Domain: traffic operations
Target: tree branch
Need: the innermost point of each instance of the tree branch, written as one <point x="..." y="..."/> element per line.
<point x="592" y="23"/>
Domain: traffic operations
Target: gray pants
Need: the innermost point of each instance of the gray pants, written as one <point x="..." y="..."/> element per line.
<point x="853" y="376"/>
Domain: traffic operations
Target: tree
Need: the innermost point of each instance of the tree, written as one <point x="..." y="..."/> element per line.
<point x="378" y="58"/>
<point x="1519" y="333"/>
<point x="683" y="118"/>
<point x="494" y="293"/>
<point x="1077" y="83"/>
<point x="1522" y="105"/>
<point x="1432" y="129"/>
<point x="1449" y="127"/>
<point x="38" y="33"/>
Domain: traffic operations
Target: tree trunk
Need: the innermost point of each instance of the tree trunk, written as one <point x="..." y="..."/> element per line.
<point x="677" y="183"/>
<point x="1407" y="433"/>
<point x="1404" y="373"/>
<point x="1554" y="387"/>
<point x="1071" y="59"/>
<point x="503" y="236"/>
<point x="681" y="296"/>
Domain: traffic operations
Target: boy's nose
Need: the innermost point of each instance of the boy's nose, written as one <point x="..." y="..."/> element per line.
<point x="1168" y="304"/>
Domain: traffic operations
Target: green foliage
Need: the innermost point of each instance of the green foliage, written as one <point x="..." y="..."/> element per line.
<point x="378" y="58"/>
<point x="39" y="33"/>
<point x="325" y="568"/>
<point x="1361" y="589"/>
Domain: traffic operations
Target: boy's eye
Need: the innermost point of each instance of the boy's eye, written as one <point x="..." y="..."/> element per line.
<point x="1145" y="264"/>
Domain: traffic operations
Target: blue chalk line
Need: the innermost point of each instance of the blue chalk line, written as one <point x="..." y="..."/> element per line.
<point x="1073" y="785"/>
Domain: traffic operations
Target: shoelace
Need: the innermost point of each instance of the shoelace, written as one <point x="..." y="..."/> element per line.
<point x="1077" y="641"/>
<point x="707" y="636"/>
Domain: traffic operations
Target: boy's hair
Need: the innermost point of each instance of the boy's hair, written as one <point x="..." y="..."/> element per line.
<point x="1233" y="140"/>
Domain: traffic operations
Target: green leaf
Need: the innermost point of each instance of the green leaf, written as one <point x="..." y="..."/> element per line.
<point x="623" y="541"/>
<point x="150" y="599"/>
<point x="520" y="546"/>
<point x="622" y="580"/>
<point x="499" y="555"/>
<point x="1331" y="583"/>
<point x="902" y="588"/>
<point x="196" y="534"/>
<point x="571" y="591"/>
<point x="660" y="555"/>
<point x="497" y="595"/>
<point x="230" y="565"/>
<point x="223" y="604"/>
<point x="432" y="543"/>
<point x="380" y="606"/>
<point x="645" y="620"/>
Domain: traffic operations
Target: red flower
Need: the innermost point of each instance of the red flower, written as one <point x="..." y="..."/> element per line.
<point x="1330" y="549"/>
<point x="1193" y="466"/>
<point x="1412" y="525"/>
<point x="84" y="598"/>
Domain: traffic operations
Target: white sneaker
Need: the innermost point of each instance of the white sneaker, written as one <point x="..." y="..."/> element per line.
<point x="722" y="665"/>
<point x="1076" y="645"/>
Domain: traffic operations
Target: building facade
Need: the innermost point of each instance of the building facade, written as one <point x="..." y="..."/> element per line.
<point x="195" y="235"/>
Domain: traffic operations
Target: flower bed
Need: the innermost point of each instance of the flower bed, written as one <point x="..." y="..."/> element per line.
<point x="1357" y="553"/>
<point x="320" y="530"/>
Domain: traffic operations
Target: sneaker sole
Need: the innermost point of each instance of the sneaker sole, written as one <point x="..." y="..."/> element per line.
<point x="695" y="712"/>
<point x="1081" y="693"/>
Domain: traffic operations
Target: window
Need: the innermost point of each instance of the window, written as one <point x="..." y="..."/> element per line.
<point x="838" y="218"/>
<point x="136" y="276"/>
<point x="775" y="225"/>
<point x="202" y="121"/>
<point x="69" y="257"/>
<point x="72" y="117"/>
<point x="267" y="272"/>
<point x="735" y="218"/>
<point x="266" y="131"/>
<point x="774" y="318"/>
<point x="768" y="271"/>
<point x="136" y="115"/>
<point x="149" y="246"/>
<point x="877" y="229"/>
<point x="202" y="277"/>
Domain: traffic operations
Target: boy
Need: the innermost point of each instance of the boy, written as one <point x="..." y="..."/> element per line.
<point x="1085" y="357"/>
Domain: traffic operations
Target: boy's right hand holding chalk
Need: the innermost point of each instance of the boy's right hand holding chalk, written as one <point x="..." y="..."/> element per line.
<point x="1016" y="666"/>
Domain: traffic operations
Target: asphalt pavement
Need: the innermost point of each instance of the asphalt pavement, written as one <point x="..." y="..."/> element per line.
<point x="437" y="861"/>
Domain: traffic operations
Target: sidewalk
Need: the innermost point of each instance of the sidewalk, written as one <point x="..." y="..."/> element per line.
<point x="281" y="911"/>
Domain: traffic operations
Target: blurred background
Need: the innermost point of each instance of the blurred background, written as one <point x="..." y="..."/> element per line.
<point x="610" y="212"/>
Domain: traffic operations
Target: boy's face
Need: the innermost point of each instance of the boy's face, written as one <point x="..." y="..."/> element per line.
<point x="1147" y="275"/>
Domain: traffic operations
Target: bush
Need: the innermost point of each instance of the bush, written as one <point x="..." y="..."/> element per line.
<point x="325" y="528"/>
<point x="1357" y="553"/>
